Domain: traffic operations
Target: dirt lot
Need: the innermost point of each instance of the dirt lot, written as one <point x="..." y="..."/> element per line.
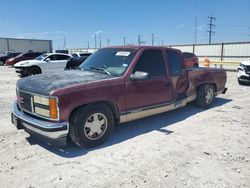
<point x="188" y="147"/>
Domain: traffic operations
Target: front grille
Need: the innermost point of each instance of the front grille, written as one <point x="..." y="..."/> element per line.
<point x="24" y="101"/>
<point x="248" y="68"/>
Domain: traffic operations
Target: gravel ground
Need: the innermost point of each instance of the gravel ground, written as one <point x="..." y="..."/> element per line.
<point x="188" y="147"/>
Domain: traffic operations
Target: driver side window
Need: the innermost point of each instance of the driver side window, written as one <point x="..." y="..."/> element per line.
<point x="152" y="62"/>
<point x="51" y="58"/>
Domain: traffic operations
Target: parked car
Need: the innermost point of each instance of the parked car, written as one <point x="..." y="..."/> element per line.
<point x="5" y="57"/>
<point x="243" y="72"/>
<point x="76" y="60"/>
<point x="45" y="63"/>
<point x="114" y="85"/>
<point x="83" y="54"/>
<point x="22" y="57"/>
<point x="190" y="59"/>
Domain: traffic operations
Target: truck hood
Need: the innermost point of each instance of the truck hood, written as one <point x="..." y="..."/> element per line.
<point x="27" y="63"/>
<point x="43" y="84"/>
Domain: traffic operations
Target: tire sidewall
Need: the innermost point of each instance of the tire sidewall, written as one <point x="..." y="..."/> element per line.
<point x="201" y="96"/>
<point x="33" y="71"/>
<point x="80" y="120"/>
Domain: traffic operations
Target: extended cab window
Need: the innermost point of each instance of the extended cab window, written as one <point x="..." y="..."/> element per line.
<point x="174" y="61"/>
<point x="152" y="62"/>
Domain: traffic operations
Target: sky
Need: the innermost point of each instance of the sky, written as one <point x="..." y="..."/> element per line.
<point x="78" y="21"/>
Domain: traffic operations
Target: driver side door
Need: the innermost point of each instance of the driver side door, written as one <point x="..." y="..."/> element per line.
<point x="55" y="63"/>
<point x="153" y="92"/>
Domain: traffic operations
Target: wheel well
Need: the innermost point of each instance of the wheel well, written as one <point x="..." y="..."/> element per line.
<point x="213" y="84"/>
<point x="35" y="66"/>
<point x="111" y="105"/>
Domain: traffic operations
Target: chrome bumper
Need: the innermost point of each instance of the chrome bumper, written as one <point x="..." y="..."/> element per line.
<point x="52" y="132"/>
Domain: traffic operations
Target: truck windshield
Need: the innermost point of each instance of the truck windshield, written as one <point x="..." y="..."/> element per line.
<point x="113" y="61"/>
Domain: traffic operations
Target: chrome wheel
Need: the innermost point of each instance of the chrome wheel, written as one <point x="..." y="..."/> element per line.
<point x="209" y="95"/>
<point x="95" y="126"/>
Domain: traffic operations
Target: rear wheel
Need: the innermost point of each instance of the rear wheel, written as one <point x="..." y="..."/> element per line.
<point x="33" y="71"/>
<point x="91" y="126"/>
<point x="205" y="96"/>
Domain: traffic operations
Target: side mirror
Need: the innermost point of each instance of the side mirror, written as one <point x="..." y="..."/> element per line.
<point x="138" y="75"/>
<point x="48" y="59"/>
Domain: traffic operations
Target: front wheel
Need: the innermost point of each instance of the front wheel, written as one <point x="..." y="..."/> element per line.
<point x="33" y="71"/>
<point x="91" y="125"/>
<point x="205" y="96"/>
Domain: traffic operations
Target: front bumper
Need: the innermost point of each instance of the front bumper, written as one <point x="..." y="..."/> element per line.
<point x="44" y="130"/>
<point x="21" y="71"/>
<point x="243" y="75"/>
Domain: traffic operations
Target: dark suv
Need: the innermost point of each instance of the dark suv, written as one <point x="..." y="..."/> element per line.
<point x="22" y="57"/>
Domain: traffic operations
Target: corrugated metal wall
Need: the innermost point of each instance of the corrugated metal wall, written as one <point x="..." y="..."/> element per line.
<point x="25" y="45"/>
<point x="223" y="51"/>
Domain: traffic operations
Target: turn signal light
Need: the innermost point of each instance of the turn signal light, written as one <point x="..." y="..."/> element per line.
<point x="53" y="108"/>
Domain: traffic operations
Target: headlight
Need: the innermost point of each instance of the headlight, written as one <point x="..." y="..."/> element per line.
<point x="45" y="106"/>
<point x="244" y="66"/>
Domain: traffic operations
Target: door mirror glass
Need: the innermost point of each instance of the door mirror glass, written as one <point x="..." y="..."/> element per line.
<point x="138" y="75"/>
<point x="48" y="59"/>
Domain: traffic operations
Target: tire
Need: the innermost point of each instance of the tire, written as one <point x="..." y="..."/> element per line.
<point x="205" y="96"/>
<point x="240" y="82"/>
<point x="33" y="71"/>
<point x="91" y="126"/>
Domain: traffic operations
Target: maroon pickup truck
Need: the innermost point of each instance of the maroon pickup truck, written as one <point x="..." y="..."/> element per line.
<point x="114" y="85"/>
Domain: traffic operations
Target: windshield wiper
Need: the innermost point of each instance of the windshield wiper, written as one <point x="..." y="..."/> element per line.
<point x="101" y="69"/>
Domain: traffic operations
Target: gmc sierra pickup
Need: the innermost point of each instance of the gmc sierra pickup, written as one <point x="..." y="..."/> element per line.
<point x="114" y="85"/>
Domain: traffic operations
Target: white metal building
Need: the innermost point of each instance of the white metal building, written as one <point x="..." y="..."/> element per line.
<point x="24" y="45"/>
<point x="234" y="51"/>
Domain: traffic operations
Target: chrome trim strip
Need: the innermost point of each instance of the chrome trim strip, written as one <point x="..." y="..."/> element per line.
<point x="191" y="98"/>
<point x="141" y="113"/>
<point x="41" y="127"/>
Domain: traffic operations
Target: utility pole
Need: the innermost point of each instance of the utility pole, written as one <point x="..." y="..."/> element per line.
<point x="153" y="38"/>
<point x="195" y="30"/>
<point x="100" y="38"/>
<point x="95" y="40"/>
<point x="64" y="43"/>
<point x="211" y="27"/>
<point x="161" y="42"/>
<point x="88" y="44"/>
<point x="124" y="41"/>
<point x="139" y="40"/>
<point x="108" y="41"/>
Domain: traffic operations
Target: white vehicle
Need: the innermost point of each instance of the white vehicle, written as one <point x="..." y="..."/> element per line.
<point x="45" y="63"/>
<point x="243" y="72"/>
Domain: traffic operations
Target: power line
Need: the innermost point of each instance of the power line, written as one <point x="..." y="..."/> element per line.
<point x="211" y="27"/>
